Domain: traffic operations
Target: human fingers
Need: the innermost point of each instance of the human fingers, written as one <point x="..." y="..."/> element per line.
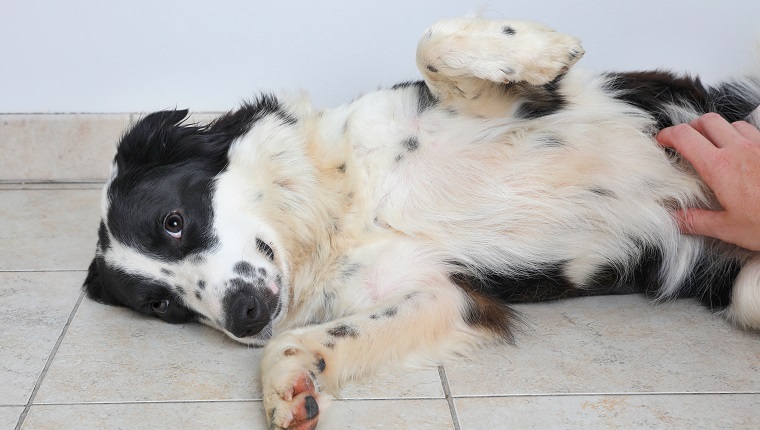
<point x="716" y="129"/>
<point x="701" y="222"/>
<point x="747" y="130"/>
<point x="692" y="145"/>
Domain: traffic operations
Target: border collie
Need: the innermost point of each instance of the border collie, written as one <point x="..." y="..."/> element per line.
<point x="400" y="226"/>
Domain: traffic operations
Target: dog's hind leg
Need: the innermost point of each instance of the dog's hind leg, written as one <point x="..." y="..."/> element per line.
<point x="472" y="57"/>
<point x="744" y="309"/>
<point x="425" y="323"/>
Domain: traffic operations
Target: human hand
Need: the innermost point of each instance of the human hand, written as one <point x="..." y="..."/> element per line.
<point x="727" y="157"/>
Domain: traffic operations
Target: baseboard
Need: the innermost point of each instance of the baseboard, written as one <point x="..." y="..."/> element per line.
<point x="76" y="147"/>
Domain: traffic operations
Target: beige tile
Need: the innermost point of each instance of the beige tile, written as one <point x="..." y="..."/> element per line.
<point x="397" y="383"/>
<point x="154" y="416"/>
<point x="615" y="344"/>
<point x="34" y="311"/>
<point x="116" y="355"/>
<point x="201" y="118"/>
<point x="345" y="415"/>
<point x="703" y="411"/>
<point x="48" y="229"/>
<point x="387" y="414"/>
<point x="9" y="416"/>
<point x="16" y="186"/>
<point x="59" y="147"/>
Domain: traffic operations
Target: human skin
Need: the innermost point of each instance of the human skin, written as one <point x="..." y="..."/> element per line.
<point x="727" y="157"/>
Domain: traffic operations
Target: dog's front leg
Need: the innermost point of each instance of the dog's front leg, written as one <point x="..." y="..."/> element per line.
<point x="300" y="365"/>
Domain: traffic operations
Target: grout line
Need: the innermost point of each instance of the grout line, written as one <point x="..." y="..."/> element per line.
<point x="64" y="113"/>
<point x="63" y="188"/>
<point x="41" y="184"/>
<point x="41" y="270"/>
<point x="385" y="398"/>
<point x="147" y="402"/>
<point x="94" y="113"/>
<point x="48" y="363"/>
<point x="449" y="398"/>
<point x="51" y="181"/>
<point x="51" y="186"/>
<point x="623" y="393"/>
<point x="144" y="402"/>
<point x="484" y="396"/>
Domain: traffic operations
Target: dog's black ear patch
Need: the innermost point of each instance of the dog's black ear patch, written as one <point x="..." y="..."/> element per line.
<point x="149" y="140"/>
<point x="94" y="284"/>
<point x="166" y="117"/>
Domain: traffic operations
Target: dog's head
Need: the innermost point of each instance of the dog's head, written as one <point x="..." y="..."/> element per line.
<point x="171" y="245"/>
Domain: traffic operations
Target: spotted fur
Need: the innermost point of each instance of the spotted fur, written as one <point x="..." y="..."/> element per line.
<point x="400" y="226"/>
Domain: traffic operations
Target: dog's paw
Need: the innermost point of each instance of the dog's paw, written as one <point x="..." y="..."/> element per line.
<point x="293" y="404"/>
<point x="292" y="395"/>
<point x="497" y="50"/>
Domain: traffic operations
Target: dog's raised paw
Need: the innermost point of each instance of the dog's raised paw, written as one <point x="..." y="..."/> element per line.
<point x="497" y="50"/>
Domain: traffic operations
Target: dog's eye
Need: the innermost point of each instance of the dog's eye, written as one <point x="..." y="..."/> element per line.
<point x="173" y="224"/>
<point x="159" y="306"/>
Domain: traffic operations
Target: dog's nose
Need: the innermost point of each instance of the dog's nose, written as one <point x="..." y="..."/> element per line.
<point x="247" y="315"/>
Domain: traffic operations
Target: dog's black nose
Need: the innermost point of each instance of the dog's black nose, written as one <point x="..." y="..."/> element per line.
<point x="247" y="315"/>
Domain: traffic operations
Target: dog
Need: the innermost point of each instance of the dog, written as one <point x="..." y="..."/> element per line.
<point x="400" y="226"/>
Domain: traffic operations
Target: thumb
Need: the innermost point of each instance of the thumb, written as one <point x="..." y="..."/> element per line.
<point x="702" y="222"/>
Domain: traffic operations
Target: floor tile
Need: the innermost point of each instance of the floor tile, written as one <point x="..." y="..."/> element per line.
<point x="59" y="147"/>
<point x="202" y="117"/>
<point x="54" y="186"/>
<point x="9" y="416"/>
<point x="35" y="309"/>
<point x="619" y="344"/>
<point x="700" y="411"/>
<point x="154" y="416"/>
<point x="116" y="355"/>
<point x="345" y="415"/>
<point x="397" y="383"/>
<point x="48" y="229"/>
<point x="388" y="385"/>
<point x="387" y="414"/>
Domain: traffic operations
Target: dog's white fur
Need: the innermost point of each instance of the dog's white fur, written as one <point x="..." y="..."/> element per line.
<point x="367" y="225"/>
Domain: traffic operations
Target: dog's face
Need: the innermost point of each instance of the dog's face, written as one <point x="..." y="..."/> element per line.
<point x="173" y="242"/>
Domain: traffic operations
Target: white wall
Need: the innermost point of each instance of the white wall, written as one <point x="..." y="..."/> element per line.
<point x="140" y="55"/>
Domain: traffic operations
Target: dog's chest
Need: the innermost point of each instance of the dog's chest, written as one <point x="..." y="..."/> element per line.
<point x="408" y="162"/>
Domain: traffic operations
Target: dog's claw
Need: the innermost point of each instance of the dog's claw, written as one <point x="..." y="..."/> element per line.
<point x="312" y="408"/>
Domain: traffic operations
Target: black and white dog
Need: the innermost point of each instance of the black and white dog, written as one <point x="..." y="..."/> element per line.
<point x="400" y="226"/>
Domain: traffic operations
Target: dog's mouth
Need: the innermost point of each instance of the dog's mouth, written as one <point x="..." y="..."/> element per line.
<point x="278" y="309"/>
<point x="257" y="340"/>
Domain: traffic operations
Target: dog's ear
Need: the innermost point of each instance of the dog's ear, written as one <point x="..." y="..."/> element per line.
<point x="94" y="285"/>
<point x="149" y="140"/>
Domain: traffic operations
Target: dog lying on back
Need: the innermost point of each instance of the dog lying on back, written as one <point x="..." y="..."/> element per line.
<point x="401" y="225"/>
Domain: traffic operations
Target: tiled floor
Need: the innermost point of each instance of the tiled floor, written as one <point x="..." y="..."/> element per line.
<point x="608" y="362"/>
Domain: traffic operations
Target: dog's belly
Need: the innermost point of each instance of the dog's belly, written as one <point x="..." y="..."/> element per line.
<point x="508" y="190"/>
